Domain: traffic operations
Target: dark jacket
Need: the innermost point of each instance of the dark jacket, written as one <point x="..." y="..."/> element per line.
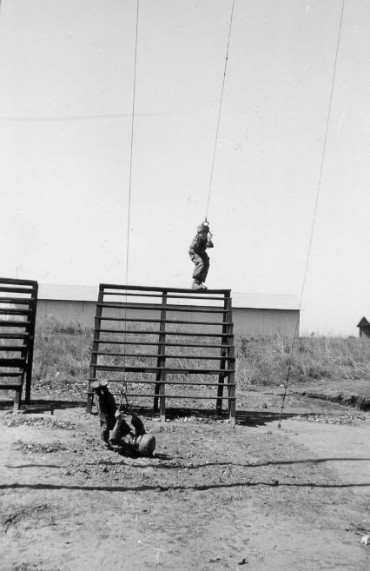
<point x="199" y="244"/>
<point x="107" y="407"/>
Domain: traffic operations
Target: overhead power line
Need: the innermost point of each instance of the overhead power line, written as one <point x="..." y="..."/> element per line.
<point x="133" y="115"/>
<point x="319" y="184"/>
<point x="124" y="383"/>
<point x="220" y="108"/>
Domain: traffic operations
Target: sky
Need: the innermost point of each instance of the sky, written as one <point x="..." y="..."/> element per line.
<point x="66" y="100"/>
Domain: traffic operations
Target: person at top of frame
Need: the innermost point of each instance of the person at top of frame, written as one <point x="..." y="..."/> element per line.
<point x="199" y="256"/>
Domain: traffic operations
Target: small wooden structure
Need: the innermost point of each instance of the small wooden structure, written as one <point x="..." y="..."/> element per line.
<point x="165" y="344"/>
<point x="364" y="328"/>
<point x="18" y="301"/>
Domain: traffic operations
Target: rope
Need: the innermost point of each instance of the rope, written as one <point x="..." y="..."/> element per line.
<point x="124" y="383"/>
<point x="220" y="109"/>
<point x="132" y="141"/>
<point x="315" y="209"/>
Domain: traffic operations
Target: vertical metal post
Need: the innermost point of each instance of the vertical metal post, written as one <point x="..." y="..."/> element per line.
<point x="232" y="391"/>
<point x="31" y="341"/>
<point x="95" y="347"/>
<point x="224" y="353"/>
<point x="162" y="398"/>
<point x="161" y="362"/>
<point x="231" y="363"/>
<point x="17" y="399"/>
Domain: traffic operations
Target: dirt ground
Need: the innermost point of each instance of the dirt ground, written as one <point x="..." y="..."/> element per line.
<point x="213" y="497"/>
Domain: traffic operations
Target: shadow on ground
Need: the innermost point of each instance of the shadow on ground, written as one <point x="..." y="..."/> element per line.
<point x="243" y="417"/>
<point x="40" y="405"/>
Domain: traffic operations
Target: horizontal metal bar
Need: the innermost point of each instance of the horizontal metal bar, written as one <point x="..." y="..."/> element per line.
<point x="161" y="289"/>
<point x="14" y="335"/>
<point x="11" y="374"/>
<point x="174" y="322"/>
<point x="16" y="300"/>
<point x="166" y="356"/>
<point x="10" y="362"/>
<point x="7" y="323"/>
<point x="146" y="332"/>
<point x="224" y="397"/>
<point x="158" y="343"/>
<point x="22" y="348"/>
<point x="202" y="296"/>
<point x="124" y="293"/>
<point x="10" y="289"/>
<point x="160" y="307"/>
<point x="16" y="281"/>
<point x="166" y="382"/>
<point x="167" y="370"/>
<point x="160" y="296"/>
<point x="11" y="311"/>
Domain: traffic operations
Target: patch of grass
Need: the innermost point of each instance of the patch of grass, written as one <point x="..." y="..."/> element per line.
<point x="352" y="419"/>
<point x="63" y="352"/>
<point x="38" y="421"/>
<point x="32" y="448"/>
<point x="25" y="566"/>
<point x="28" y="566"/>
<point x="61" y="358"/>
<point x="266" y="360"/>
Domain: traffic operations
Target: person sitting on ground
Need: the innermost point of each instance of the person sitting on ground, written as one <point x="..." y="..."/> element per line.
<point x="115" y="431"/>
<point x="198" y="255"/>
<point x="131" y="441"/>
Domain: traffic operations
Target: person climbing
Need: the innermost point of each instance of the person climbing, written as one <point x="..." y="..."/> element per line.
<point x="198" y="255"/>
<point x="117" y="434"/>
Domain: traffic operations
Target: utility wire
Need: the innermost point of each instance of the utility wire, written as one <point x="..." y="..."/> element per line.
<point x="315" y="208"/>
<point x="220" y="108"/>
<point x="124" y="382"/>
<point x="132" y="140"/>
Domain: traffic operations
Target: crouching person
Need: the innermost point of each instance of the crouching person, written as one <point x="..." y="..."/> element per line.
<point x="114" y="430"/>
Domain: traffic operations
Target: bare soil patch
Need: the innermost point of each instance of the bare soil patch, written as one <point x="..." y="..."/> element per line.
<point x="213" y="497"/>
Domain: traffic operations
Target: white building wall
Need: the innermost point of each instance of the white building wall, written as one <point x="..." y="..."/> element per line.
<point x="247" y="321"/>
<point x="257" y="322"/>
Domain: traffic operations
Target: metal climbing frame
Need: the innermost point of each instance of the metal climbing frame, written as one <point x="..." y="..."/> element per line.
<point x="165" y="344"/>
<point x="18" y="301"/>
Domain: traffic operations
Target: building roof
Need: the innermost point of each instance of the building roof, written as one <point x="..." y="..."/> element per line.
<point x="265" y="301"/>
<point x="239" y="299"/>
<point x="364" y="323"/>
<point x="65" y="292"/>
